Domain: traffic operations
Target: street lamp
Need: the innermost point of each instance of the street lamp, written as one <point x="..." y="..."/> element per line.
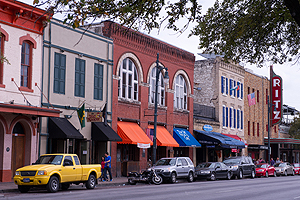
<point x="166" y="80"/>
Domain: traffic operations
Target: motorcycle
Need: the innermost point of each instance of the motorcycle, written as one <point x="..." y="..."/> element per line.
<point x="149" y="176"/>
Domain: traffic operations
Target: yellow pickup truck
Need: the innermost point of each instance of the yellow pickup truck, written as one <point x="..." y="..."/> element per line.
<point x="57" y="171"/>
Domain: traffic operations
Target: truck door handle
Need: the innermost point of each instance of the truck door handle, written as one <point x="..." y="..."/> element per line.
<point x="73" y="168"/>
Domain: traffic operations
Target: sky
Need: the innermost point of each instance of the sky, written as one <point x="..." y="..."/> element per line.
<point x="290" y="73"/>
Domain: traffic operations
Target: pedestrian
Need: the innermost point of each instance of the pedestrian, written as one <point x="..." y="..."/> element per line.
<point x="272" y="162"/>
<point x="277" y="160"/>
<point x="102" y="168"/>
<point x="107" y="167"/>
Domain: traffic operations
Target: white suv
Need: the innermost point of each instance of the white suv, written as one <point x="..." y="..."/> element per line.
<point x="173" y="168"/>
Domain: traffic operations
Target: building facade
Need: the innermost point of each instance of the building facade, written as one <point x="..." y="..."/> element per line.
<point x="219" y="104"/>
<point x="77" y="71"/>
<point x="134" y="71"/>
<point x="21" y="30"/>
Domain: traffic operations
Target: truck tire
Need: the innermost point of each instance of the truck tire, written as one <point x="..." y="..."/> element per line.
<point x="23" y="189"/>
<point x="173" y="177"/>
<point x="190" y="177"/>
<point x="53" y="184"/>
<point x="90" y="184"/>
<point x="65" y="186"/>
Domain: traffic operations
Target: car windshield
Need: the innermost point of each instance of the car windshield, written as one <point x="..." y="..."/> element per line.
<point x="261" y="166"/>
<point x="166" y="161"/>
<point x="206" y="165"/>
<point x="232" y="161"/>
<point x="50" y="159"/>
<point x="297" y="165"/>
<point x="279" y="165"/>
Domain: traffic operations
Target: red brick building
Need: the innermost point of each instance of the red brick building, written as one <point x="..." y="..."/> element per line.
<point x="135" y="56"/>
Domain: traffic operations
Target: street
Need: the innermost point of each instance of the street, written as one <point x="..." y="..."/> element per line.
<point x="258" y="188"/>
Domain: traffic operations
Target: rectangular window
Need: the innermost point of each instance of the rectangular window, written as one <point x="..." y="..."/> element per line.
<point x="1" y="54"/>
<point x="230" y="117"/>
<point x="226" y="85"/>
<point x="242" y="118"/>
<point x="267" y="94"/>
<point x="275" y="129"/>
<point x="98" y="81"/>
<point x="238" y="119"/>
<point x="242" y="91"/>
<point x="222" y="85"/>
<point x="257" y="96"/>
<point x="238" y="90"/>
<point x="230" y="87"/>
<point x="59" y="73"/>
<point x="257" y="129"/>
<point x="226" y="116"/>
<point x="234" y="118"/>
<point x="253" y="124"/>
<point x="248" y="127"/>
<point x="234" y="84"/>
<point x="267" y="127"/>
<point x="248" y="90"/>
<point x="79" y="77"/>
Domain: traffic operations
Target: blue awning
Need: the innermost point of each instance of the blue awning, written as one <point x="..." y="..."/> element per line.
<point x="184" y="138"/>
<point x="213" y="138"/>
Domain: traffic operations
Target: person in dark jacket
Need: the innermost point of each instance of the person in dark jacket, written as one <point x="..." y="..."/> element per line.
<point x="272" y="162"/>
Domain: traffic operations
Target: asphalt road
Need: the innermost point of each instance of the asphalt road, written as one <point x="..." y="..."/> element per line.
<point x="259" y="188"/>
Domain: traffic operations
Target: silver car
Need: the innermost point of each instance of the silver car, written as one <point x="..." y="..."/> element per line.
<point x="173" y="168"/>
<point x="284" y="168"/>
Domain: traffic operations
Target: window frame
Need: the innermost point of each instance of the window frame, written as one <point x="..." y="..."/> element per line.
<point x="180" y="93"/>
<point x="59" y="79"/>
<point x="98" y="88"/>
<point x="2" y="40"/>
<point x="29" y="66"/>
<point x="79" y="83"/>
<point x="160" y="89"/>
<point x="130" y="74"/>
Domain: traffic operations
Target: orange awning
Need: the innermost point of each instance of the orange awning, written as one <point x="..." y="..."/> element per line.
<point x="164" y="138"/>
<point x="132" y="133"/>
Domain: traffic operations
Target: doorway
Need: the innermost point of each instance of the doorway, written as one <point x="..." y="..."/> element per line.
<point x="18" y="148"/>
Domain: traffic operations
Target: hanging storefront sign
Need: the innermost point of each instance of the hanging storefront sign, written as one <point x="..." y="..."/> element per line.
<point x="276" y="98"/>
<point x="94" y="116"/>
<point x="207" y="127"/>
<point x="143" y="146"/>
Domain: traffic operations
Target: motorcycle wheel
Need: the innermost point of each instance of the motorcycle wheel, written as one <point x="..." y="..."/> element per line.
<point x="157" y="180"/>
<point x="131" y="182"/>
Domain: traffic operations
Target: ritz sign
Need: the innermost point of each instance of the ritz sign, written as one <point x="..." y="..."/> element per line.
<point x="276" y="111"/>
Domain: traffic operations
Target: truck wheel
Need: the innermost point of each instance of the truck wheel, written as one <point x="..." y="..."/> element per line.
<point x="23" y="189"/>
<point x="90" y="184"/>
<point x="173" y="177"/>
<point x="190" y="177"/>
<point x="53" y="184"/>
<point x="65" y="186"/>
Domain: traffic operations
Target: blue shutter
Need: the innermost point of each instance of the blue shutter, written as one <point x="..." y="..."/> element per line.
<point x="234" y="84"/>
<point x="79" y="77"/>
<point x="62" y="78"/>
<point x="222" y="84"/>
<point x="242" y="120"/>
<point x="238" y="91"/>
<point x="56" y="73"/>
<point x="242" y="91"/>
<point x="234" y="118"/>
<point x="230" y="116"/>
<point x="59" y="73"/>
<point x="226" y="85"/>
<point x="98" y="81"/>
<point x="226" y="116"/>
<point x="230" y="86"/>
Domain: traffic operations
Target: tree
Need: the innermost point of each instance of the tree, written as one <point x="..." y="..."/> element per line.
<point x="255" y="31"/>
<point x="137" y="14"/>
<point x="295" y="128"/>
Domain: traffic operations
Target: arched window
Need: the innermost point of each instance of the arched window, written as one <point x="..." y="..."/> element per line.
<point x="128" y="82"/>
<point x="160" y="88"/>
<point x="180" y="96"/>
<point x="26" y="62"/>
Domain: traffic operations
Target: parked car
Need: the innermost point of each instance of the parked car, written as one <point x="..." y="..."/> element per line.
<point x="241" y="166"/>
<point x="284" y="168"/>
<point x="55" y="170"/>
<point x="264" y="169"/>
<point x="213" y="170"/>
<point x="173" y="168"/>
<point x="296" y="168"/>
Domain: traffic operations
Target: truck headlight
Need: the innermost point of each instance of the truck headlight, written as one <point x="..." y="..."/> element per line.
<point x="166" y="170"/>
<point x="17" y="173"/>
<point x="43" y="172"/>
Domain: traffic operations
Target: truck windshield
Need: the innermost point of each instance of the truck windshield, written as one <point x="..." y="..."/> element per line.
<point x="50" y="159"/>
<point x="171" y="161"/>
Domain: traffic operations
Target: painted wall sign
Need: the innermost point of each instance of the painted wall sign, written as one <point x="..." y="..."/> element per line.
<point x="94" y="116"/>
<point x="276" y="111"/>
<point x="207" y="127"/>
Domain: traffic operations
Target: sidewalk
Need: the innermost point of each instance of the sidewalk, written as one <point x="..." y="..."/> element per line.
<point x="118" y="181"/>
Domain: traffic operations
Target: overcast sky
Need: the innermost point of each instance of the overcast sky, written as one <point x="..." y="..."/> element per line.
<point x="289" y="72"/>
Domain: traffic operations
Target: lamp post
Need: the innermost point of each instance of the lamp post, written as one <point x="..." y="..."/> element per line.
<point x="166" y="79"/>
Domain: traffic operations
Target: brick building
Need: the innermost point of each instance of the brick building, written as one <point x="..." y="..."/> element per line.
<point x="135" y="56"/>
<point x="219" y="103"/>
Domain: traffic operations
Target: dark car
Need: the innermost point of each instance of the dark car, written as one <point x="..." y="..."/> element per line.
<point x="213" y="170"/>
<point x="241" y="166"/>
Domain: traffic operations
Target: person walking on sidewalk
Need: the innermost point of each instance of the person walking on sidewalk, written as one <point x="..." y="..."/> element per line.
<point x="107" y="167"/>
<point x="102" y="177"/>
